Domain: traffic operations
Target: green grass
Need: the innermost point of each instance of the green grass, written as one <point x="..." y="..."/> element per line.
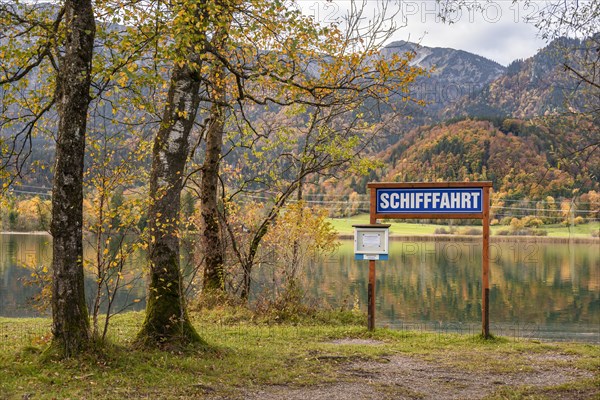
<point x="579" y="390"/>
<point x="344" y="227"/>
<point x="583" y="230"/>
<point x="243" y="355"/>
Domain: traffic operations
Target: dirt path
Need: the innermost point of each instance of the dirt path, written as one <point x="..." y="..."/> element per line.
<point x="408" y="377"/>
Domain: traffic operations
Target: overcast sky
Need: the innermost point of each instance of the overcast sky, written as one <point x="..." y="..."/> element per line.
<point x="497" y="32"/>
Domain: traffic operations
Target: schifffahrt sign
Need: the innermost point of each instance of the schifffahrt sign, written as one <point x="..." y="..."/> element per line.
<point x="430" y="200"/>
<point x="437" y="200"/>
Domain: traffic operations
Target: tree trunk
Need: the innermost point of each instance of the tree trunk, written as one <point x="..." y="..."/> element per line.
<point x="70" y="322"/>
<point x="211" y="237"/>
<point x="296" y="246"/>
<point x="248" y="263"/>
<point x="210" y="241"/>
<point x="166" y="320"/>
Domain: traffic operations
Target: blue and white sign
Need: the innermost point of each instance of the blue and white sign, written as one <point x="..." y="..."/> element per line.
<point x="429" y="201"/>
<point x="374" y="257"/>
<point x="371" y="242"/>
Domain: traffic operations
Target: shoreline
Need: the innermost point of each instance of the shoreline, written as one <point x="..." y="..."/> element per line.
<point x="40" y="233"/>
<point x="477" y="238"/>
<point x="434" y="238"/>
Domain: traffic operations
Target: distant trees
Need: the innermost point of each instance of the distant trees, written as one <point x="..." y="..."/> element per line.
<point x="25" y="214"/>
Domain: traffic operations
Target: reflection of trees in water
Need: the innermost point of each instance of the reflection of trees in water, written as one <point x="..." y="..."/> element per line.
<point x="14" y="295"/>
<point x="20" y="253"/>
<point x="559" y="284"/>
<point x="546" y="283"/>
<point x="433" y="282"/>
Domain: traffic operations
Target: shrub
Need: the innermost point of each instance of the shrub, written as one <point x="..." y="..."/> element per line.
<point x="532" y="222"/>
<point x="522" y="232"/>
<point x="505" y="221"/>
<point x="470" y="231"/>
<point x="516" y="224"/>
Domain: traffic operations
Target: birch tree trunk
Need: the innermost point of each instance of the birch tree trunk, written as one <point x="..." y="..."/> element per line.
<point x="70" y="322"/>
<point x="166" y="320"/>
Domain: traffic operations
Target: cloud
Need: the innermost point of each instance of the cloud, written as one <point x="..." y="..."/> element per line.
<point x="501" y="43"/>
<point x="496" y="31"/>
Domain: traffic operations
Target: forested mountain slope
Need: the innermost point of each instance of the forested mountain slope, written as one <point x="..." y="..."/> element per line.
<point x="533" y="87"/>
<point x="516" y="155"/>
<point x="520" y="158"/>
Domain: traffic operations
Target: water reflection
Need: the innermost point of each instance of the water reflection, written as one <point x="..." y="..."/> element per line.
<point x="536" y="289"/>
<point x="20" y="254"/>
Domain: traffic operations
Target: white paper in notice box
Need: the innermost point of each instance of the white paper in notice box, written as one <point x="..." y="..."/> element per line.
<point x="371" y="239"/>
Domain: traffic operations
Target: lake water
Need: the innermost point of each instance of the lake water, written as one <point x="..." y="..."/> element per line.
<point x="537" y="290"/>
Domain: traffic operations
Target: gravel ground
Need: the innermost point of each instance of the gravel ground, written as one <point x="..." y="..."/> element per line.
<point x="408" y="377"/>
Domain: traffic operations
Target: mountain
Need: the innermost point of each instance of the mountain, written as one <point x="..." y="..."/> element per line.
<point x="520" y="158"/>
<point x="454" y="73"/>
<point x="529" y="88"/>
<point x="515" y="127"/>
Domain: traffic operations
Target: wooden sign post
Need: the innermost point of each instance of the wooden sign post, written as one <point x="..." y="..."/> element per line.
<point x="438" y="200"/>
<point x="371" y="242"/>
